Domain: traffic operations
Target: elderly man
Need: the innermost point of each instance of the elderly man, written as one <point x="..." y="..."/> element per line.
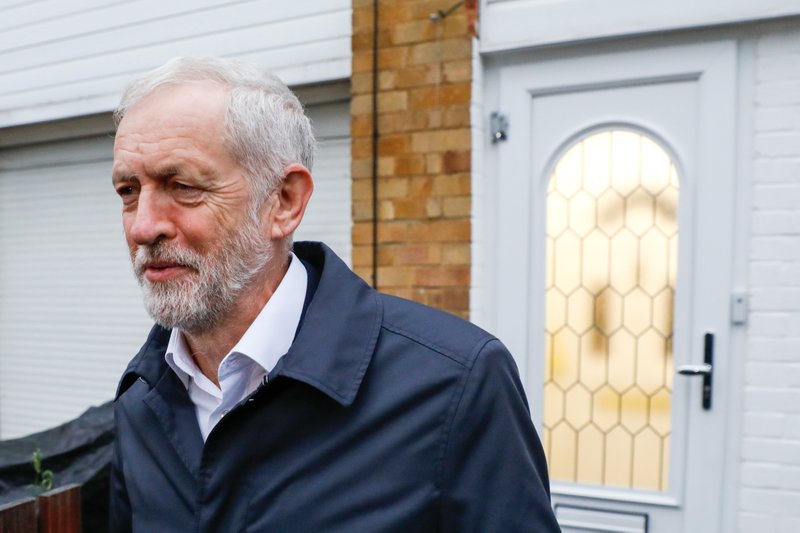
<point x="279" y="392"/>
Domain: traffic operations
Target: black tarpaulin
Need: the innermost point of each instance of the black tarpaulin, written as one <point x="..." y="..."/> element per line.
<point x="78" y="451"/>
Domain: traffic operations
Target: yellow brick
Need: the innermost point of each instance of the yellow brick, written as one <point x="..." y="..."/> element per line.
<point x="456" y="254"/>
<point x="456" y="161"/>
<point x="362" y="210"/>
<point x="393" y="122"/>
<point x="434" y="163"/>
<point x="455" y="25"/>
<point x="433" y="208"/>
<point x="394" y="12"/>
<point x="396" y="231"/>
<point x="440" y="51"/>
<point x="406" y="121"/>
<point x="451" y="299"/>
<point x="455" y="71"/>
<point x="408" y="208"/>
<point x="390" y="58"/>
<point x="361" y="147"/>
<point x="409" y="164"/>
<point x="362" y="61"/>
<point x="395" y="276"/>
<point x="440" y="140"/>
<point x="361" y="125"/>
<point x="413" y="32"/>
<point x="361" y="104"/>
<point x="362" y="255"/>
<point x="386" y="210"/>
<point x="424" y="148"/>
<point x="362" y="233"/>
<point x="361" y="83"/>
<point x="435" y="117"/>
<point x="456" y="116"/>
<point x="361" y="41"/>
<point x="362" y="19"/>
<point x="410" y="254"/>
<point x="445" y="95"/>
<point x="392" y="188"/>
<point x="392" y="101"/>
<point x="439" y="230"/>
<point x="442" y="276"/>
<point x="414" y="76"/>
<point x="386" y="166"/>
<point x="420" y="186"/>
<point x="390" y="145"/>
<point x="362" y="189"/>
<point x="361" y="168"/>
<point x="456" y="206"/>
<point x="387" y="80"/>
<point x="451" y="185"/>
<point x="451" y="231"/>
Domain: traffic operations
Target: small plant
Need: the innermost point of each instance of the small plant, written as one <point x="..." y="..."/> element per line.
<point x="44" y="478"/>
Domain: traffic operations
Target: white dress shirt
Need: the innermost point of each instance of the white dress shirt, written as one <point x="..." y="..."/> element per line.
<point x="245" y="366"/>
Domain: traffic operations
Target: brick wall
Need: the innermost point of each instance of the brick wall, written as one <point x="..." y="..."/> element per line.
<point x="424" y="150"/>
<point x="769" y="498"/>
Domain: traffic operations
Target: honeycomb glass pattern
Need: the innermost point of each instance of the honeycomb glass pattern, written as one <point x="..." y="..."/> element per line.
<point x="612" y="233"/>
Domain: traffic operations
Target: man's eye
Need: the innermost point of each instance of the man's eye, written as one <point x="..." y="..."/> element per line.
<point x="128" y="193"/>
<point x="185" y="192"/>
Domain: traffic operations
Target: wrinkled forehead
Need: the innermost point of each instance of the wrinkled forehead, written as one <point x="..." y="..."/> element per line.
<point x="172" y="125"/>
<point x="195" y="111"/>
<point x="187" y="106"/>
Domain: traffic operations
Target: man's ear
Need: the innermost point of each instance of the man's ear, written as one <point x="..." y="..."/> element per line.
<point x="292" y="197"/>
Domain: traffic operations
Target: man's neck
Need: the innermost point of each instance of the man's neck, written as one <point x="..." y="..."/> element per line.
<point x="209" y="347"/>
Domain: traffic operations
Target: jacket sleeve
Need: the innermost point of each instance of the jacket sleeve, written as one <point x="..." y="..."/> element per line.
<point x="494" y="475"/>
<point x="120" y="520"/>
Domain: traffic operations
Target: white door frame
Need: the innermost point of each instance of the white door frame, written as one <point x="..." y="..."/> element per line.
<point x="508" y="309"/>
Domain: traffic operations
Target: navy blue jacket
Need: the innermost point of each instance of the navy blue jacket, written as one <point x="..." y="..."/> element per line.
<point x="384" y="416"/>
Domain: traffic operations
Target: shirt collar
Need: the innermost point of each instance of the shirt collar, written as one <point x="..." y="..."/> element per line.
<point x="266" y="339"/>
<point x="333" y="346"/>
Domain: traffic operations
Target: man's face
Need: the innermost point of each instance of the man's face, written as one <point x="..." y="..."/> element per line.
<point x="193" y="244"/>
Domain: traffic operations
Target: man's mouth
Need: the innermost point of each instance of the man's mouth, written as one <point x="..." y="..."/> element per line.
<point x="155" y="271"/>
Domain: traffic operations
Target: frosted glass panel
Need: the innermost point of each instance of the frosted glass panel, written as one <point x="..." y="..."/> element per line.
<point x="611" y="264"/>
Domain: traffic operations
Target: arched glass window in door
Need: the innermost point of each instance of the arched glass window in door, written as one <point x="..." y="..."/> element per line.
<point x="612" y="237"/>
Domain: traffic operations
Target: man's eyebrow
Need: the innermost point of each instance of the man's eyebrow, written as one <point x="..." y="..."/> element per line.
<point x="118" y="177"/>
<point x="167" y="172"/>
<point x="164" y="173"/>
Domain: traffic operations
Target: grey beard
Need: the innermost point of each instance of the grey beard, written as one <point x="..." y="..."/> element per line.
<point x="204" y="298"/>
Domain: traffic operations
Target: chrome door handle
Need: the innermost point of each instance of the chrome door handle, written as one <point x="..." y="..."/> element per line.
<point x="706" y="370"/>
<point x="694" y="370"/>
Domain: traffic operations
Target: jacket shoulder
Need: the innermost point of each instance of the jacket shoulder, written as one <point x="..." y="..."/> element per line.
<point x="438" y="330"/>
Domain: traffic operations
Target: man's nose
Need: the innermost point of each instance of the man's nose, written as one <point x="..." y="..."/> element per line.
<point x="152" y="219"/>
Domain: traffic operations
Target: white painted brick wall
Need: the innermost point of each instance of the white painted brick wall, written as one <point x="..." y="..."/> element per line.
<point x="769" y="496"/>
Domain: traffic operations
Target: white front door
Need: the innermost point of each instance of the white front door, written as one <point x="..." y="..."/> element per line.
<point x="613" y="271"/>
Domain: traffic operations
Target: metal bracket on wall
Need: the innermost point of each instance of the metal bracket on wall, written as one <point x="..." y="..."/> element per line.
<point x="439" y="14"/>
<point x="498" y="123"/>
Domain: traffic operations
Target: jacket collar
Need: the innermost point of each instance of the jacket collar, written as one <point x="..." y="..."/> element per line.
<point x="332" y="348"/>
<point x="147" y="364"/>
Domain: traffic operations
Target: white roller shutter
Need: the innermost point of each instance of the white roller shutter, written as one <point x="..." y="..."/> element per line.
<point x="71" y="315"/>
<point x="328" y="217"/>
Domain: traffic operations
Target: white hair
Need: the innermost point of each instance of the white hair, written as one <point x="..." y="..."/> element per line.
<point x="266" y="129"/>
